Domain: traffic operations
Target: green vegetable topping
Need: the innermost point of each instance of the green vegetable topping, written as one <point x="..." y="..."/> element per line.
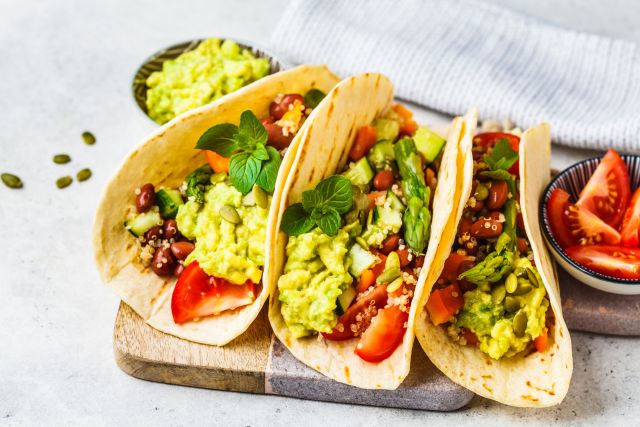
<point x="322" y="206"/>
<point x="417" y="224"/>
<point x="252" y="162"/>
<point x="197" y="181"/>
<point x="502" y="157"/>
<point x="88" y="138"/>
<point x="313" y="98"/>
<point x="491" y="269"/>
<point x="64" y="181"/>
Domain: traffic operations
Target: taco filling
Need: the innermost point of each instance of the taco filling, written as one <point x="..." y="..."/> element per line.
<point x="490" y="294"/>
<point x="357" y="241"/>
<point x="210" y="232"/>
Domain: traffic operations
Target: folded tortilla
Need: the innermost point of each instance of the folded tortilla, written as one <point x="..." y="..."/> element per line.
<point x="323" y="151"/>
<point x="532" y="380"/>
<point x="166" y="158"/>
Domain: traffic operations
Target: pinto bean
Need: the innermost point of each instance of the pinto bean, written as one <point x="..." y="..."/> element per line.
<point x="181" y="250"/>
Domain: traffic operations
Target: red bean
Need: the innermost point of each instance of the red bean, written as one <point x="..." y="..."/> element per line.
<point x="154" y="234"/>
<point x="163" y="262"/>
<point x="390" y="244"/>
<point x="522" y="245"/>
<point x="383" y="180"/>
<point x="145" y="198"/>
<point x="170" y="229"/>
<point x="498" y="194"/>
<point x="418" y="261"/>
<point x="181" y="250"/>
<point x="276" y="136"/>
<point x="486" y="228"/>
<point x="178" y="270"/>
<point x="277" y="110"/>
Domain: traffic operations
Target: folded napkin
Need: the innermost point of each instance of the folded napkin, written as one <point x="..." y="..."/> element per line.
<point x="451" y="55"/>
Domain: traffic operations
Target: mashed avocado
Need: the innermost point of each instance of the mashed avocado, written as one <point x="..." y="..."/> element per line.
<point x="233" y="252"/>
<point x="200" y="76"/>
<point x="315" y="274"/>
<point x="493" y="324"/>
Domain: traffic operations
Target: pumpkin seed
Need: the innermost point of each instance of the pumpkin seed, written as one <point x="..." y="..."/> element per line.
<point x="532" y="278"/>
<point x="11" y="181"/>
<point x="88" y="138"/>
<point x="497" y="294"/>
<point x="395" y="285"/>
<point x="519" y="323"/>
<point x="511" y="304"/>
<point x="61" y="159"/>
<point x="482" y="192"/>
<point x="262" y="199"/>
<point x="84" y="174"/>
<point x="523" y="288"/>
<point x="230" y="214"/>
<point x="64" y="181"/>
<point x="511" y="284"/>
<point x="362" y="242"/>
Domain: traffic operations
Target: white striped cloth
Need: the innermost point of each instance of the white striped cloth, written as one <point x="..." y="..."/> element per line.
<point x="451" y="55"/>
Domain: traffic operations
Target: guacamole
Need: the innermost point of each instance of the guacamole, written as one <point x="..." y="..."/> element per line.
<point x="200" y="76"/>
<point x="234" y="252"/>
<point x="315" y="275"/>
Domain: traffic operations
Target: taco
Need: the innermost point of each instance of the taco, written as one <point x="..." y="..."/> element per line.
<point x="181" y="234"/>
<point x="355" y="233"/>
<point x="489" y="315"/>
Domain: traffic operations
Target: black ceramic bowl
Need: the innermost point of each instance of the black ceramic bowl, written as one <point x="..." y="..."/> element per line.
<point x="155" y="61"/>
<point x="573" y="180"/>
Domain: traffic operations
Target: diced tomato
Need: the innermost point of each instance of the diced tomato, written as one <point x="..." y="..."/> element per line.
<point x="217" y="162"/>
<point x="589" y="228"/>
<point x="444" y="303"/>
<point x="197" y="294"/>
<point x="489" y="139"/>
<point x="379" y="267"/>
<point x="631" y="222"/>
<point x="607" y="191"/>
<point x="558" y="211"/>
<point x="408" y="126"/>
<point x="615" y="261"/>
<point x="403" y="254"/>
<point x="365" y="139"/>
<point x="367" y="279"/>
<point x="383" y="336"/>
<point x="373" y="196"/>
<point x="403" y="111"/>
<point x="343" y="331"/>
<point x="451" y="269"/>
<point x="469" y="336"/>
<point x="390" y="244"/>
<point x="541" y="342"/>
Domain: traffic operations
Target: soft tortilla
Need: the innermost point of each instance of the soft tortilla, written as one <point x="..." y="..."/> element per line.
<point x="534" y="380"/>
<point x="165" y="159"/>
<point x="354" y="102"/>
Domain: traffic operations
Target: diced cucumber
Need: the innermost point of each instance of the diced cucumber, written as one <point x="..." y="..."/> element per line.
<point x="428" y="143"/>
<point x="360" y="173"/>
<point x="388" y="218"/>
<point x="361" y="259"/>
<point x="382" y="155"/>
<point x="168" y="202"/>
<point x="346" y="298"/>
<point x="386" y="129"/>
<point x="395" y="202"/>
<point x="141" y="223"/>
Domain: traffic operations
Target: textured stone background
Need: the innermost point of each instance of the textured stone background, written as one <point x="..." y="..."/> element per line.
<point x="66" y="66"/>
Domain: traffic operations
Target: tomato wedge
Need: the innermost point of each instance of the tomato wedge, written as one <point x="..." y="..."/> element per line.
<point x="607" y="191"/>
<point x="615" y="261"/>
<point x="379" y="267"/>
<point x="489" y="139"/>
<point x="365" y="139"/>
<point x="383" y="336"/>
<point x="217" y="162"/>
<point x="590" y="229"/>
<point x="379" y="297"/>
<point x="198" y="295"/>
<point x="558" y="212"/>
<point x="541" y="342"/>
<point x="451" y="269"/>
<point x="631" y="222"/>
<point x="444" y="303"/>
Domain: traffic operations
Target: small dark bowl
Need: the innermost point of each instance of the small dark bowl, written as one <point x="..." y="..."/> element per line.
<point x="573" y="180"/>
<point x="155" y="61"/>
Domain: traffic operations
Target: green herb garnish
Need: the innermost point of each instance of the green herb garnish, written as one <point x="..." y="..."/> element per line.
<point x="313" y="98"/>
<point x="252" y="161"/>
<point x="502" y="157"/>
<point x="323" y="206"/>
<point x="501" y="175"/>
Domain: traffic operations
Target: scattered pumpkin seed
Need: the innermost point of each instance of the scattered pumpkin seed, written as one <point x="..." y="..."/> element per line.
<point x="395" y="285"/>
<point x="519" y="323"/>
<point x="61" y="159"/>
<point x="261" y="197"/>
<point x="64" y="181"/>
<point x="362" y="242"/>
<point x="511" y="304"/>
<point x="11" y="181"/>
<point x="230" y="214"/>
<point x="511" y="284"/>
<point x="84" y="174"/>
<point x="88" y="138"/>
<point x="482" y="192"/>
<point x="532" y="278"/>
<point x="497" y="294"/>
<point x="523" y="288"/>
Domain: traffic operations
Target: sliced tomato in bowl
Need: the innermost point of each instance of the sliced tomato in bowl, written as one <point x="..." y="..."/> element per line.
<point x="558" y="214"/>
<point x="631" y="222"/>
<point x="589" y="228"/>
<point x="607" y="192"/>
<point x="614" y="261"/>
<point x="197" y="295"/>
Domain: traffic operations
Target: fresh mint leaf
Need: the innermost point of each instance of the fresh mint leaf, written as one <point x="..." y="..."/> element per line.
<point x="501" y="175"/>
<point x="251" y="129"/>
<point x="330" y="221"/>
<point x="269" y="172"/>
<point x="502" y="157"/>
<point x="310" y="199"/>
<point x="296" y="221"/>
<point x="336" y="192"/>
<point x="220" y="139"/>
<point x="243" y="171"/>
<point x="260" y="152"/>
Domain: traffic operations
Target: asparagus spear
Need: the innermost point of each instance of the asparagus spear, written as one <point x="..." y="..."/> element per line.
<point x="491" y="269"/>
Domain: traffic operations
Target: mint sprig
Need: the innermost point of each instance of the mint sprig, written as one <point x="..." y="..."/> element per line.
<point x="251" y="160"/>
<point x="320" y="207"/>
<point x="502" y="157"/>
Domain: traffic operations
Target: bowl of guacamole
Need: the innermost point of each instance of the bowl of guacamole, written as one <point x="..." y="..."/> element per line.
<point x="194" y="73"/>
